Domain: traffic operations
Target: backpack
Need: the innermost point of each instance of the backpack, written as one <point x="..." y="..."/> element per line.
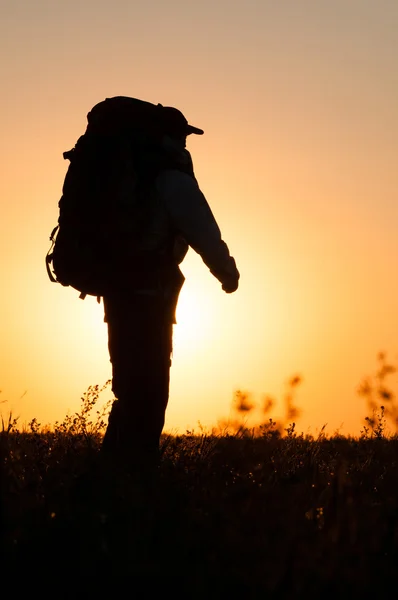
<point x="105" y="208"/>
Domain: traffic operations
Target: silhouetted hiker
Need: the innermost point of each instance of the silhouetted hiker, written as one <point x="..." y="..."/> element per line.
<point x="140" y="304"/>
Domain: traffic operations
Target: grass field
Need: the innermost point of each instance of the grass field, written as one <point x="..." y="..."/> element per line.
<point x="251" y="517"/>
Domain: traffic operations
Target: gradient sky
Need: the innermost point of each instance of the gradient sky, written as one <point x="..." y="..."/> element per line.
<point x="298" y="100"/>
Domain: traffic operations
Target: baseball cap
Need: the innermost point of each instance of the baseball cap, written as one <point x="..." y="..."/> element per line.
<point x="177" y="124"/>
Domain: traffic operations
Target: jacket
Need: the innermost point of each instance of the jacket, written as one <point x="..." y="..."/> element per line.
<point x="183" y="212"/>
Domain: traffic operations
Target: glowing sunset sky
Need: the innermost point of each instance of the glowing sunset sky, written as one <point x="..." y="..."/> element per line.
<point x="298" y="100"/>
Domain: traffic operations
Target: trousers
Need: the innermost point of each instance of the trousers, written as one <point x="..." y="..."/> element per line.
<point x="140" y="330"/>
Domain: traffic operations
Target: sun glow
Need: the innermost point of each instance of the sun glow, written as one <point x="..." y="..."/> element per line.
<point x="194" y="320"/>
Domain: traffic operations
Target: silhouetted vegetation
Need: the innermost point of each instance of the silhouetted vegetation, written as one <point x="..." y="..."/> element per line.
<point x="251" y="514"/>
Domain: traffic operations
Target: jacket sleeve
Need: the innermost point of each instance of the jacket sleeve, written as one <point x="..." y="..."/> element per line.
<point x="191" y="216"/>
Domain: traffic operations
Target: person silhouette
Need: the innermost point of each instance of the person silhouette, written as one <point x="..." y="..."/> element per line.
<point x="140" y="321"/>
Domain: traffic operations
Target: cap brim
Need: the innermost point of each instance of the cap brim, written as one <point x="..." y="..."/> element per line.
<point x="196" y="130"/>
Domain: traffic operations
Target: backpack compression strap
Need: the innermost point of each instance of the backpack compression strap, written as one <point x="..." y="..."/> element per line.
<point x="49" y="255"/>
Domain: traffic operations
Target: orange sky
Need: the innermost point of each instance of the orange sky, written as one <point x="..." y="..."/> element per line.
<point x="298" y="101"/>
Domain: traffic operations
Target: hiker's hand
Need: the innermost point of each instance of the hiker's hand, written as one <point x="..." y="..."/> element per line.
<point x="231" y="279"/>
<point x="229" y="288"/>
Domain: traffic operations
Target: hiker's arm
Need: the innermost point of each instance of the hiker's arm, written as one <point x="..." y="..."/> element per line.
<point x="191" y="215"/>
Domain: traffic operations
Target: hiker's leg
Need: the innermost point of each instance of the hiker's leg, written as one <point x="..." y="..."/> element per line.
<point x="140" y="347"/>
